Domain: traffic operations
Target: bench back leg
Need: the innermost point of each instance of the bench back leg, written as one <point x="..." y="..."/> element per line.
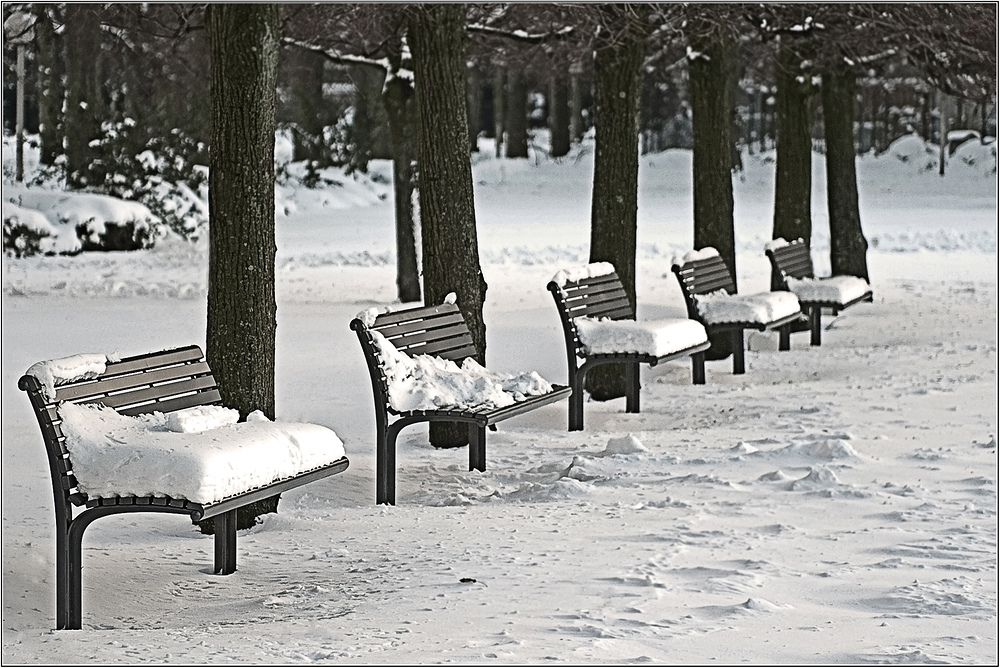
<point x="785" y="337"/>
<point x="385" y="463"/>
<point x="225" y="543"/>
<point x="477" y="447"/>
<point x="632" y="387"/>
<point x="739" y="366"/>
<point x="698" y="368"/>
<point x="576" y="400"/>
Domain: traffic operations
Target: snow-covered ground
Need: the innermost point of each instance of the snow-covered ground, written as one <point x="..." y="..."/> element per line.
<point x="832" y="505"/>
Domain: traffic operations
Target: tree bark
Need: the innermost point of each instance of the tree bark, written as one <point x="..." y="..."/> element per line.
<point x="84" y="102"/>
<point x="848" y="246"/>
<point x="793" y="169"/>
<point x="712" y="160"/>
<point x="516" y="108"/>
<point x="559" y="116"/>
<point x="614" y="207"/>
<point x="242" y="313"/>
<point x="50" y="88"/>
<point x="397" y="96"/>
<point x="447" y="210"/>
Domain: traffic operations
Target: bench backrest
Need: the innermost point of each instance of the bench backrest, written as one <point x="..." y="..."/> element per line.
<point x="164" y="381"/>
<point x="594" y="297"/>
<point x="702" y="276"/>
<point x="791" y="261"/>
<point x="438" y="330"/>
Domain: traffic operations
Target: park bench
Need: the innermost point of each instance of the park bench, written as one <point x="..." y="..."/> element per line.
<point x="174" y="384"/>
<point x="439" y="331"/>
<point x="791" y="262"/>
<point x="709" y="290"/>
<point x="600" y="327"/>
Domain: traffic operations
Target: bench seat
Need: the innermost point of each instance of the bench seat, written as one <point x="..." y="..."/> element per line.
<point x="791" y="263"/>
<point x="600" y="327"/>
<point x="709" y="290"/>
<point x="130" y="467"/>
<point x="413" y="357"/>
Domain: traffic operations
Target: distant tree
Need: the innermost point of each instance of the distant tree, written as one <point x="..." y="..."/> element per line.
<point x="51" y="89"/>
<point x="242" y="312"/>
<point x="447" y="209"/>
<point x="618" y="60"/>
<point x="84" y="93"/>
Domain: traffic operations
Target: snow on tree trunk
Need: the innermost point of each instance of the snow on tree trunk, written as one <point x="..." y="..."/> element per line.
<point x="242" y="313"/>
<point x="450" y="248"/>
<point x="848" y="246"/>
<point x="793" y="169"/>
<point x="617" y="94"/>
<point x="711" y="126"/>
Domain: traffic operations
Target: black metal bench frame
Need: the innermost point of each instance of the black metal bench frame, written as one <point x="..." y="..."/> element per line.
<point x="428" y="330"/>
<point x="711" y="274"/>
<point x="604" y="297"/>
<point x="163" y="381"/>
<point x="795" y="261"/>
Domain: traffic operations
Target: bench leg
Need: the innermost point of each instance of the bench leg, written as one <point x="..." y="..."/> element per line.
<point x="225" y="543"/>
<point x="73" y="591"/>
<point x="385" y="466"/>
<point x="739" y="366"/>
<point x="477" y="447"/>
<point x="814" y="327"/>
<point x="576" y="403"/>
<point x="62" y="578"/>
<point x="632" y="388"/>
<point x="785" y="337"/>
<point x="698" y="368"/>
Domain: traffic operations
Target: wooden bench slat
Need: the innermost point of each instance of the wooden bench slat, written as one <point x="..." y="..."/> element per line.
<point x="398" y="329"/>
<point x="452" y="349"/>
<point x="154" y="360"/>
<point x="199" y="399"/>
<point x="418" y="313"/>
<point x="76" y="392"/>
<point x="430" y="336"/>
<point x="158" y="392"/>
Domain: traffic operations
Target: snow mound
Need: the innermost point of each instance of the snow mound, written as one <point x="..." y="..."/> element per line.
<point x="51" y="373"/>
<point x="425" y="382"/>
<point x="624" y="445"/>
<point x="118" y="455"/>
<point x="653" y="337"/>
<point x="201" y="418"/>
<point x="721" y="307"/>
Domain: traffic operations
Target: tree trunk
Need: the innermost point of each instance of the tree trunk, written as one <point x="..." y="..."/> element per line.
<point x="793" y="170"/>
<point x="516" y="108"/>
<point x="474" y="105"/>
<point x="304" y="106"/>
<point x="50" y="89"/>
<point x="712" y="161"/>
<point x="447" y="209"/>
<point x="398" y="99"/>
<point x="84" y="101"/>
<point x="614" y="207"/>
<point x="499" y="109"/>
<point x="576" y="128"/>
<point x="559" y="116"/>
<point x="242" y="314"/>
<point x="848" y="247"/>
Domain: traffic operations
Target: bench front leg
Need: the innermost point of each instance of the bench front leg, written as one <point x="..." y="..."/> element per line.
<point x="785" y="337"/>
<point x="576" y="400"/>
<point x="477" y="447"/>
<point x="739" y="366"/>
<point x="698" y="368"/>
<point x="814" y="325"/>
<point x="225" y="543"/>
<point x="632" y="387"/>
<point x="385" y="464"/>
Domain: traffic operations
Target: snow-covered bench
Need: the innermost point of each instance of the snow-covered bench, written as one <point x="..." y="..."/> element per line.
<point x="413" y="358"/>
<point x="792" y="263"/>
<point x="148" y="434"/>
<point x="601" y="328"/>
<point x="710" y="294"/>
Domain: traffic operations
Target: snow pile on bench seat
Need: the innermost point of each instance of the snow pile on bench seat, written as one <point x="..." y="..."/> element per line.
<point x="51" y="373"/>
<point x="201" y="418"/>
<point x="592" y="270"/>
<point x="426" y="382"/>
<point x="118" y="455"/>
<point x="653" y="337"/>
<point x="832" y="290"/>
<point x="721" y="307"/>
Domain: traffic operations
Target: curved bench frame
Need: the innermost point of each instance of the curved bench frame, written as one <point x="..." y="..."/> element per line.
<point x="165" y="382"/>
<point x="604" y="297"/>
